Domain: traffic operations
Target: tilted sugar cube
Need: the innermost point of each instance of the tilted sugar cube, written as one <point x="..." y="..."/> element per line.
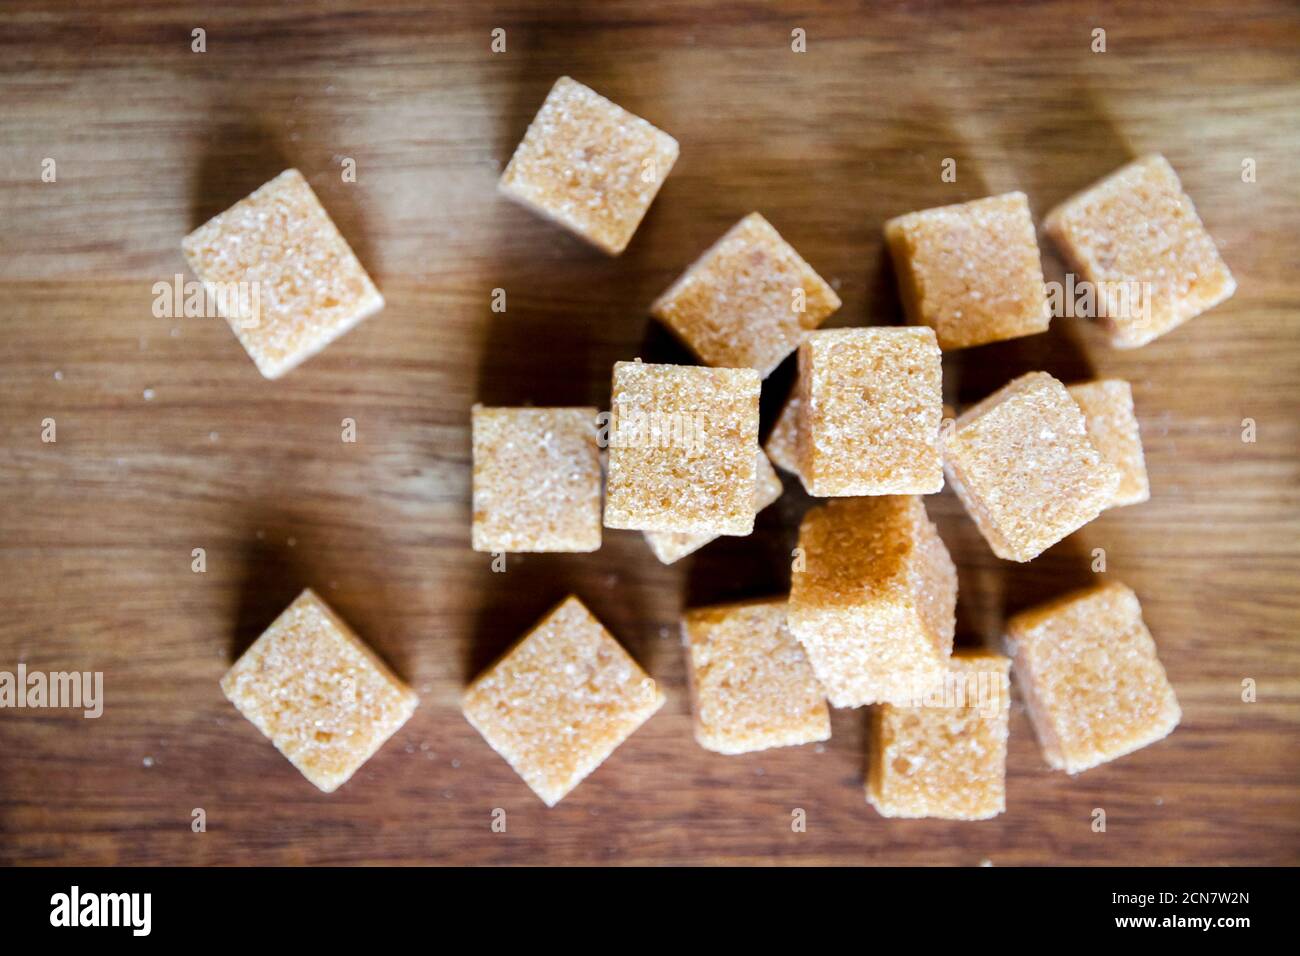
<point x="748" y="301"/>
<point x="1087" y="667"/>
<point x="1136" y="237"/>
<point x="1023" y="465"/>
<point x="971" y="271"/>
<point x="1108" y="415"/>
<point x="589" y="165"/>
<point x="561" y="701"/>
<point x="317" y="692"/>
<point x="281" y="274"/>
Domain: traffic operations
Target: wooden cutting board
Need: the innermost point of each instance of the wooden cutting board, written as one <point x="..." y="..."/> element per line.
<point x="168" y="440"/>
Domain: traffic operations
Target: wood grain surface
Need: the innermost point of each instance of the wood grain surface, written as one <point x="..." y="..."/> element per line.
<point x="169" y="440"/>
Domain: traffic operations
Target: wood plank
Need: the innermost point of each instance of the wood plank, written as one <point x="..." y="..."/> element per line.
<point x="96" y="530"/>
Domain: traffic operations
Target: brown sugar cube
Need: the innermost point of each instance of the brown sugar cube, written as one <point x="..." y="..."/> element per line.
<point x="536" y="479"/>
<point x="751" y="684"/>
<point x="873" y="599"/>
<point x="318" y="693"/>
<point x="748" y="301"/>
<point x="560" y="701"/>
<point x="670" y="547"/>
<point x="1107" y="406"/>
<point x="1093" y="685"/>
<point x="971" y="271"/>
<point x="589" y="165"/>
<point x="280" y="273"/>
<point x="783" y="440"/>
<point x="870" y="404"/>
<point x="1138" y="227"/>
<point x="945" y="755"/>
<point x="681" y="449"/>
<point x="1023" y="465"/>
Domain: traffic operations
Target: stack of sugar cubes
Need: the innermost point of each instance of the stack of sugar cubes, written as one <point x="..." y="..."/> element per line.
<point x="870" y="616"/>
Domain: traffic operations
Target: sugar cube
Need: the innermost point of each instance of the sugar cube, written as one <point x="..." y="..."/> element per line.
<point x="669" y="546"/>
<point x="751" y="684"/>
<point x="870" y="408"/>
<point x="873" y="599"/>
<point x="748" y="301"/>
<point x="1093" y="685"/>
<point x="279" y="272"/>
<point x="589" y="165"/>
<point x="561" y="701"/>
<point x="682" y="446"/>
<point x="945" y="755"/>
<point x="971" y="271"/>
<point x="320" y="695"/>
<point x="782" y="445"/>
<point x="536" y="479"/>
<point x="1107" y="406"/>
<point x="1136" y="237"/>
<point x="1023" y="465"/>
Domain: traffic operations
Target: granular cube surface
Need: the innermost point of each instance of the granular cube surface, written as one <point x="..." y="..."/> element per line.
<point x="669" y="546"/>
<point x="1088" y="670"/>
<point x="318" y="693"/>
<point x="1107" y="406"/>
<point x="1137" y="226"/>
<point x="682" y="449"/>
<point x="748" y="301"/>
<point x="561" y="701"/>
<point x="1023" y="465"/>
<point x="874" y="603"/>
<point x="870" y="402"/>
<point x="280" y="273"/>
<point x="945" y="755"/>
<point x="589" y="165"/>
<point x="536" y="479"/>
<point x="972" y="272"/>
<point x="783" y="440"/>
<point x="751" y="684"/>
